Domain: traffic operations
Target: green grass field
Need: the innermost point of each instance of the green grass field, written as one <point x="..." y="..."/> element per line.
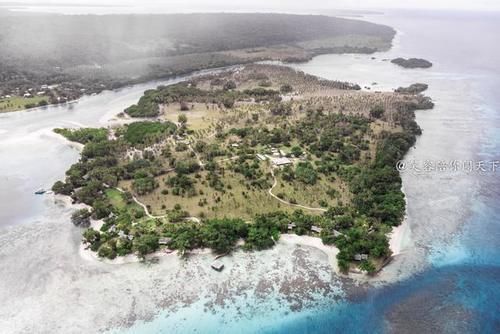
<point x="117" y="201"/>
<point x="19" y="103"/>
<point x="313" y="195"/>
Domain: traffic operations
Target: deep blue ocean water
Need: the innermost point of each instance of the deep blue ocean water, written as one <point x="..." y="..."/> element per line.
<point x="459" y="292"/>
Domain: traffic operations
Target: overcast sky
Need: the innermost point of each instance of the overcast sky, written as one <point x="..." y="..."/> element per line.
<point x="281" y="5"/>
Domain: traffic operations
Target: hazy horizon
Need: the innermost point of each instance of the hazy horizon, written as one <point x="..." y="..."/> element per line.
<point x="293" y="6"/>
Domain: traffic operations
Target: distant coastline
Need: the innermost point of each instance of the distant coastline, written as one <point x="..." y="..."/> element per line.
<point x="52" y="79"/>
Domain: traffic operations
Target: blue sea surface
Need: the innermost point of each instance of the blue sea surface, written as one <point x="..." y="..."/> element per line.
<point x="459" y="291"/>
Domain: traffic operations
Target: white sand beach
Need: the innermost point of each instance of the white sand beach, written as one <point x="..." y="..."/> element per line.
<point x="399" y="238"/>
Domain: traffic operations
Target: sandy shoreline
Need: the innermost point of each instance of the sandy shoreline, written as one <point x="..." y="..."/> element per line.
<point x="285" y="240"/>
<point x="398" y="240"/>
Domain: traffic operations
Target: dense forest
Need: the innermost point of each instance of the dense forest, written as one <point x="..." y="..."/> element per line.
<point x="89" y="53"/>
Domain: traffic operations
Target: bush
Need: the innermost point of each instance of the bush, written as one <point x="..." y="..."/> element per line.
<point x="146" y="107"/>
<point x="144" y="185"/>
<point x="286" y="88"/>
<point x="229" y="85"/>
<point x="93" y="238"/>
<point x="84" y="136"/>
<point x="81" y="218"/>
<point x="182" y="118"/>
<point x="62" y="188"/>
<point x="221" y="234"/>
<point x="305" y="173"/>
<point x="367" y="266"/>
<point x="145" y="244"/>
<point x="186" y="166"/>
<point x="228" y="102"/>
<point x="377" y="111"/>
<point x="147" y="132"/>
<point x="297" y="151"/>
<point x="263" y="232"/>
<point x="101" y="209"/>
<point x="107" y="252"/>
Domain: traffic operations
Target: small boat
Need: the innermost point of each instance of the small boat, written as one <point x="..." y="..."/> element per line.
<point x="40" y="191"/>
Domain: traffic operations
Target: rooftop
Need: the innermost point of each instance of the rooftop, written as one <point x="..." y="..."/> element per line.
<point x="217" y="265"/>
<point x="281" y="161"/>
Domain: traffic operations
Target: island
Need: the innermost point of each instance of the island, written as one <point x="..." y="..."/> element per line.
<point x="234" y="159"/>
<point x="412" y="62"/>
<point x="114" y="51"/>
<point x="415" y="88"/>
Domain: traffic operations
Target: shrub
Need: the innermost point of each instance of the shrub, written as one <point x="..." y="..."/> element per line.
<point x="286" y="88"/>
<point x="145" y="244"/>
<point x="377" y="111"/>
<point x="305" y="173"/>
<point x="145" y="132"/>
<point x="144" y="185"/>
<point x="107" y="252"/>
<point x="81" y="218"/>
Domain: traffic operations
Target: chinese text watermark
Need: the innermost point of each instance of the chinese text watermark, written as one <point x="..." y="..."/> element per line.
<point x="458" y="166"/>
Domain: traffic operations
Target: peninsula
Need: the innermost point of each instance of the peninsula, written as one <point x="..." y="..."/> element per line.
<point x="238" y="158"/>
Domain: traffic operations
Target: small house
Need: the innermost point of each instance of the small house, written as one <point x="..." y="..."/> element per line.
<point x="261" y="157"/>
<point x="164" y="241"/>
<point x="337" y="233"/>
<point x="217" y="265"/>
<point x="316" y="229"/>
<point x="360" y="257"/>
<point x="281" y="162"/>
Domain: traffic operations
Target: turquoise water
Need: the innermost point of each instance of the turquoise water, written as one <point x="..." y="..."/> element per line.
<point x="459" y="291"/>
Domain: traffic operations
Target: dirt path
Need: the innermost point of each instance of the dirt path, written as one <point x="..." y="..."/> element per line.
<point x="195" y="219"/>
<point x="270" y="191"/>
